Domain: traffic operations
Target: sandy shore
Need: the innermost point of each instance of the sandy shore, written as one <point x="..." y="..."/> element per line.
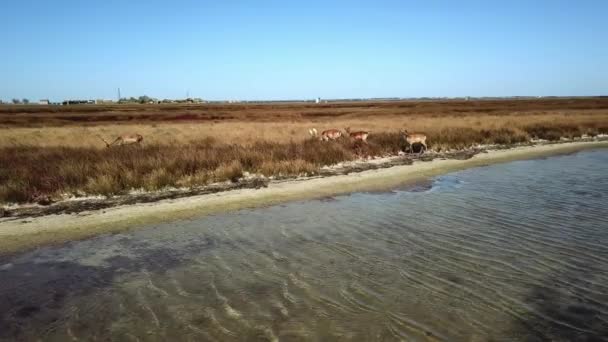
<point x="21" y="234"/>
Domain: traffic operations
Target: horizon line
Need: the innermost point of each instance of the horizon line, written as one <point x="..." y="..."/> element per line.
<point x="319" y="99"/>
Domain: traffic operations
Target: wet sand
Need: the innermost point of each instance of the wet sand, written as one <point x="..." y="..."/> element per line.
<point x="25" y="233"/>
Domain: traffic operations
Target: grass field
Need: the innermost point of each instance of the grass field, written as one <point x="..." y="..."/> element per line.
<point x="47" y="151"/>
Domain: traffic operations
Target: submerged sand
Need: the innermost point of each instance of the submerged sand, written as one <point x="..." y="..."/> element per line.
<point x="20" y="234"/>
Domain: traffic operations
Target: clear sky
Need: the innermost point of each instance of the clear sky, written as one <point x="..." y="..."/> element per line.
<point x="243" y="50"/>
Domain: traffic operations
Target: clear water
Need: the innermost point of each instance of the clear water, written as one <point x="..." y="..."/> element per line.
<point x="515" y="251"/>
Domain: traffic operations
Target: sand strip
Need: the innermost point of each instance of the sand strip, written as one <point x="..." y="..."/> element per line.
<point x="22" y="234"/>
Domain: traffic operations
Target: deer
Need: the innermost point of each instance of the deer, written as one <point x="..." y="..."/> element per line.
<point x="127" y="139"/>
<point x="414" y="138"/>
<point x="327" y="135"/>
<point x="358" y="136"/>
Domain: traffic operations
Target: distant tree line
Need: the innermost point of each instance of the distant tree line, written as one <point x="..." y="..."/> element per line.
<point x="126" y="100"/>
<point x="146" y="99"/>
<point x="141" y="99"/>
<point x="18" y="101"/>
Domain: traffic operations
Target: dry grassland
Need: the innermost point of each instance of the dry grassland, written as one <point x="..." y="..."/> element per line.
<point x="46" y="152"/>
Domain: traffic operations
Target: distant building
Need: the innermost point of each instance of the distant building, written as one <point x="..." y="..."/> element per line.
<point x="44" y="102"/>
<point x="318" y="100"/>
<point x="102" y="101"/>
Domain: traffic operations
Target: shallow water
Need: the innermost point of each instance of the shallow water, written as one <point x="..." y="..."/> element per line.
<point x="515" y="251"/>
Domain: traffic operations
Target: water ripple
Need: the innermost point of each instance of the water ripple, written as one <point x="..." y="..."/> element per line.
<point x="516" y="251"/>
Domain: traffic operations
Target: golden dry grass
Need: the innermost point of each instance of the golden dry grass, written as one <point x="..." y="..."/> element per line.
<point x="250" y="132"/>
<point x="40" y="158"/>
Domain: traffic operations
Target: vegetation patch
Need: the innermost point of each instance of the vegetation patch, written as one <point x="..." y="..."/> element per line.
<point x="44" y="156"/>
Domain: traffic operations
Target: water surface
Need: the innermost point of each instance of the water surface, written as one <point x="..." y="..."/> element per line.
<point x="516" y="251"/>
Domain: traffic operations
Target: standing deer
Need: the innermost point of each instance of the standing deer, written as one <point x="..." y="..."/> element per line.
<point x="330" y="134"/>
<point x="127" y="139"/>
<point x="414" y="138"/>
<point x="358" y="136"/>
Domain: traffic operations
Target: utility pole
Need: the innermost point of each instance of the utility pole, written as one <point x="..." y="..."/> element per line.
<point x="118" y="95"/>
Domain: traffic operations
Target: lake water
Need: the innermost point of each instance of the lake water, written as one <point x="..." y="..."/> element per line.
<point x="515" y="251"/>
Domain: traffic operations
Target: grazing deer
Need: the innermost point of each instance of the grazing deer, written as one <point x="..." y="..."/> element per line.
<point x="327" y="135"/>
<point x="415" y="138"/>
<point x="127" y="139"/>
<point x="358" y="136"/>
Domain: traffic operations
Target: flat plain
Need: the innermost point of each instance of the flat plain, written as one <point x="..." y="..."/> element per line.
<point x="47" y="152"/>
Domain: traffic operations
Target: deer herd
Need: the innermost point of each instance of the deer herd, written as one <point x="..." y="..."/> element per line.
<point x="361" y="136"/>
<point x="328" y="135"/>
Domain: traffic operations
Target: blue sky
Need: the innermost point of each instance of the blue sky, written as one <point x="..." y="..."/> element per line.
<point x="302" y="49"/>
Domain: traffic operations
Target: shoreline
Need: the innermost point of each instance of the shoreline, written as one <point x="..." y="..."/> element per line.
<point x="26" y="233"/>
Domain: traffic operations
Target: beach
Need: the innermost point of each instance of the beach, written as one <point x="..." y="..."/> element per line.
<point x="17" y="234"/>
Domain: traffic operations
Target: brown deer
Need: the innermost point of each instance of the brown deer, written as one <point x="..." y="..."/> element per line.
<point x="358" y="136"/>
<point x="330" y="134"/>
<point x="127" y="139"/>
<point x="414" y="138"/>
